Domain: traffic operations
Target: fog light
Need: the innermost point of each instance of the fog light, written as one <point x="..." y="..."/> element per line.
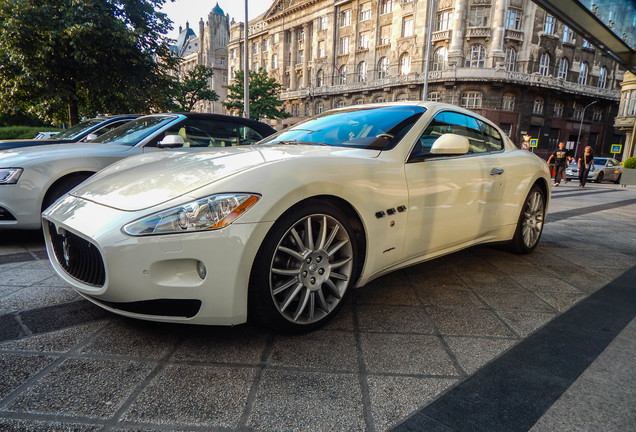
<point x="201" y="270"/>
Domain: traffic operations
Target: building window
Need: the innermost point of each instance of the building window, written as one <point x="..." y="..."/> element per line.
<point x="265" y="45"/>
<point x="402" y="97"/>
<point x="583" y="74"/>
<point x="405" y="64"/>
<point x="471" y="99"/>
<point x="578" y="111"/>
<point x="254" y="48"/>
<point x="558" y="109"/>
<point x="564" y="66"/>
<point x="598" y="115"/>
<point x="586" y="44"/>
<point x="295" y="110"/>
<point x="320" y="78"/>
<point x="342" y="75"/>
<point x="568" y="35"/>
<point x="537" y="107"/>
<point x="510" y="61"/>
<point x="379" y="99"/>
<point x="387" y="6"/>
<point x="383" y="67"/>
<point x="364" y="41"/>
<point x="274" y="62"/>
<point x="322" y="23"/>
<point x="362" y="72"/>
<point x="321" y="49"/>
<point x="477" y="56"/>
<point x="359" y="101"/>
<point x="434" y="96"/>
<point x="341" y="104"/>
<point x="345" y="18"/>
<point x="478" y="16"/>
<point x="344" y="45"/>
<point x="319" y="107"/>
<point x="602" y="77"/>
<point x="440" y="58"/>
<point x="544" y="64"/>
<point x="443" y="21"/>
<point x="548" y="26"/>
<point x="513" y="19"/>
<point x="508" y="102"/>
<point x="385" y="35"/>
<point x="365" y="12"/>
<point x="407" y="26"/>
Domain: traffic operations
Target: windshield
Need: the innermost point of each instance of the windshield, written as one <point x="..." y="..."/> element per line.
<point x="375" y="128"/>
<point x="133" y="132"/>
<point x="77" y="130"/>
<point x="600" y="161"/>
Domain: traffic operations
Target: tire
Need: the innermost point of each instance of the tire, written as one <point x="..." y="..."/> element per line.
<point x="303" y="269"/>
<point x="60" y="188"/>
<point x="599" y="177"/>
<point x="530" y="224"/>
<point x="618" y="179"/>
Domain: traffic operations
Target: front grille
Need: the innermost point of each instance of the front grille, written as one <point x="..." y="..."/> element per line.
<point x="179" y="308"/>
<point x="6" y="215"/>
<point x="78" y="257"/>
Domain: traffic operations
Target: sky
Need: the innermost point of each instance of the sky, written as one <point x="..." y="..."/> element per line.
<point x="180" y="11"/>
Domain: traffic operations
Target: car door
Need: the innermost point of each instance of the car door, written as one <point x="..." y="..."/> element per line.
<point x="453" y="199"/>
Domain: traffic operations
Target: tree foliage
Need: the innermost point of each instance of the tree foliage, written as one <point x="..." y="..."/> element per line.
<point x="84" y="56"/>
<point x="195" y="87"/>
<point x="263" y="96"/>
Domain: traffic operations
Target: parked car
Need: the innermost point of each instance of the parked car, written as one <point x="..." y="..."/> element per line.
<point x="605" y="169"/>
<point x="279" y="232"/>
<point x="32" y="178"/>
<point x="80" y="132"/>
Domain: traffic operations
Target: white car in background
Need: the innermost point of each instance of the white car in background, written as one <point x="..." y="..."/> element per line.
<point x="32" y="178"/>
<point x="279" y="232"/>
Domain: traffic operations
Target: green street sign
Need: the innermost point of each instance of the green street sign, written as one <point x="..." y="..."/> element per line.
<point x="616" y="148"/>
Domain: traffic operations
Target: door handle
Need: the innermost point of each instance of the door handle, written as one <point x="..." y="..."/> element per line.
<point x="496" y="171"/>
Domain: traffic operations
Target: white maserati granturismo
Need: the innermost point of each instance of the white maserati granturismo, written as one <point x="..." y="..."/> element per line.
<point x="279" y="232"/>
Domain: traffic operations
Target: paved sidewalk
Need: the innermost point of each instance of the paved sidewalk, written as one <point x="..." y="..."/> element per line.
<point x="479" y="340"/>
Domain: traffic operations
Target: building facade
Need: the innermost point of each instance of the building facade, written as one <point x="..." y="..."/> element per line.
<point x="626" y="119"/>
<point x="505" y="59"/>
<point x="209" y="48"/>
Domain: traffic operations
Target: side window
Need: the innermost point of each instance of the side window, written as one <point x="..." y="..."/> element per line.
<point x="211" y="133"/>
<point x="492" y="137"/>
<point x="248" y="135"/>
<point x="109" y="127"/>
<point x="474" y="135"/>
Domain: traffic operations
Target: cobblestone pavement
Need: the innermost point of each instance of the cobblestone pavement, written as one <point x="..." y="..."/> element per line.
<point x="478" y="340"/>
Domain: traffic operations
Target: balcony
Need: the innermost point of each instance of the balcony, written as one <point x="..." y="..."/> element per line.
<point x="514" y="35"/>
<point x="478" y="32"/>
<point x="442" y="35"/>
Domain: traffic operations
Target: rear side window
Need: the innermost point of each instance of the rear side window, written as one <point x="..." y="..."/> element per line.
<point x="212" y="133"/>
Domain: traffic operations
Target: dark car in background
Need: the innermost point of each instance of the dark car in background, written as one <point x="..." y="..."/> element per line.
<point x="84" y="131"/>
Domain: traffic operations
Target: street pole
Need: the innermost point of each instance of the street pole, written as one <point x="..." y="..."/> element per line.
<point x="246" y="70"/>
<point x="576" y="148"/>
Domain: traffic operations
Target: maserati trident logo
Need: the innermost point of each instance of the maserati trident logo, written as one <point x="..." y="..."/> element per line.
<point x="66" y="250"/>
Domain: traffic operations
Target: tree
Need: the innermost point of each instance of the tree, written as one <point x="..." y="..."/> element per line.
<point x="263" y="95"/>
<point x="194" y="88"/>
<point x="86" y="55"/>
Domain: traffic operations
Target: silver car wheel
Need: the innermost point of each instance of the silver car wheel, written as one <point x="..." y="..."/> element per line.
<point x="311" y="269"/>
<point x="532" y="223"/>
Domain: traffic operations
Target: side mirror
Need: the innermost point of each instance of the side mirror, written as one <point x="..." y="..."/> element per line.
<point x="90" y="137"/>
<point x="171" y="141"/>
<point x="451" y="144"/>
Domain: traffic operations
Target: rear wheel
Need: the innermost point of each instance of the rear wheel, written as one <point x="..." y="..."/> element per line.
<point x="303" y="269"/>
<point x="530" y="224"/>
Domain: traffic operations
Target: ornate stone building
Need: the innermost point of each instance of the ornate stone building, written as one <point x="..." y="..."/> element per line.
<point x="626" y="119"/>
<point x="506" y="59"/>
<point x="209" y="49"/>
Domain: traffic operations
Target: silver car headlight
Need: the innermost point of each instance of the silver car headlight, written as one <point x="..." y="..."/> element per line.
<point x="10" y="175"/>
<point x="210" y="213"/>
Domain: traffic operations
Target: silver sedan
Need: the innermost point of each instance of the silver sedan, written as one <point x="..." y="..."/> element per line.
<point x="605" y="169"/>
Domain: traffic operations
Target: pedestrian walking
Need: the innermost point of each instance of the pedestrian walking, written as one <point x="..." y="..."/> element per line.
<point x="585" y="163"/>
<point x="561" y="158"/>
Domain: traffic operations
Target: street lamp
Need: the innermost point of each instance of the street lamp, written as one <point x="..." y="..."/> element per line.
<point x="576" y="148"/>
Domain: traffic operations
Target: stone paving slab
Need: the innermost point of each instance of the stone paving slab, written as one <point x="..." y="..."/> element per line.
<point x="398" y="345"/>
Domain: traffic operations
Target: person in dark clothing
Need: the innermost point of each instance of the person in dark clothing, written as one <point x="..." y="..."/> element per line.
<point x="586" y="162"/>
<point x="561" y="158"/>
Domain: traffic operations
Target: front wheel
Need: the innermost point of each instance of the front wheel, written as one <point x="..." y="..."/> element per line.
<point x="530" y="224"/>
<point x="303" y="269"/>
<point x="599" y="178"/>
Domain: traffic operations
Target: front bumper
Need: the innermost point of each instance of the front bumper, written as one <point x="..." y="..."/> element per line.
<point x="154" y="277"/>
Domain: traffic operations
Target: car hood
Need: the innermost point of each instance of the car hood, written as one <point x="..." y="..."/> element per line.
<point x="148" y="180"/>
<point x="50" y="152"/>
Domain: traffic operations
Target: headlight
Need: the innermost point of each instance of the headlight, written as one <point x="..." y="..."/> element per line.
<point x="10" y="175"/>
<point x="213" y="212"/>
